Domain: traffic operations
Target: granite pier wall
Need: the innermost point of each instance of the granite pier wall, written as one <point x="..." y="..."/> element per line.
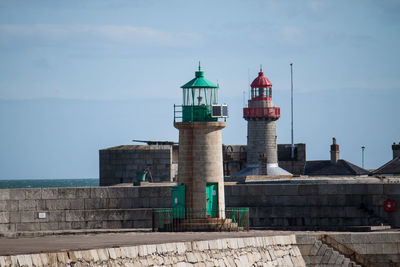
<point x="251" y="251"/>
<point x="315" y="206"/>
<point x="45" y="209"/>
<point x="311" y="206"/>
<point x="300" y="249"/>
<point x="377" y="249"/>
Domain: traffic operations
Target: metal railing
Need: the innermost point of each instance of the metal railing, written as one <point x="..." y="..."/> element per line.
<point x="185" y="219"/>
<point x="240" y="216"/>
<point x="178" y="113"/>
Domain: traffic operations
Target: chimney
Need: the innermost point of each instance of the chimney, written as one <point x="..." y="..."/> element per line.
<point x="396" y="150"/>
<point x="334" y="151"/>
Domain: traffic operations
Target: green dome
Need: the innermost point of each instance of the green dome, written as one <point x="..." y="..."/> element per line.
<point x="199" y="81"/>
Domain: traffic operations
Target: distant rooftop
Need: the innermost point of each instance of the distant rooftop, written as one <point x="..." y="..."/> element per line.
<point x="138" y="147"/>
<point x="155" y="142"/>
<point x="390" y="168"/>
<point x="327" y="168"/>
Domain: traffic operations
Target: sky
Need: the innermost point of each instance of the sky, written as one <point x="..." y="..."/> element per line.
<point x="78" y="76"/>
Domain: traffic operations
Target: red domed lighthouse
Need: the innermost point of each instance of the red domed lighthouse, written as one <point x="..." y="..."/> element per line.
<point x="261" y="129"/>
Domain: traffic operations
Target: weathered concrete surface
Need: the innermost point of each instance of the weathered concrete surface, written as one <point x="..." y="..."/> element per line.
<point x="79" y="242"/>
<point x="382" y="248"/>
<point x="245" y="251"/>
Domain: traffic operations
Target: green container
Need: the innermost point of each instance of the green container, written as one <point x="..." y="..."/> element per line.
<point x="141" y="176"/>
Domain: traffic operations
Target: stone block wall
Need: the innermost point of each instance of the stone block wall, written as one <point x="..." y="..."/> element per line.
<point x="380" y="248"/>
<point x="295" y="166"/>
<point x="291" y="206"/>
<point x="44" y="209"/>
<point x="250" y="251"/>
<point x="200" y="162"/>
<point x="261" y="139"/>
<point x="235" y="158"/>
<point x="120" y="164"/>
<point x="315" y="206"/>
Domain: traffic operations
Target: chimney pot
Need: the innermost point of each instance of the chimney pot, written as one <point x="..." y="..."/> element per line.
<point x="334" y="151"/>
<point x="396" y="150"/>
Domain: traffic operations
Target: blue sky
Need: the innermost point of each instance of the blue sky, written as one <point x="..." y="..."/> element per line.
<point x="78" y="76"/>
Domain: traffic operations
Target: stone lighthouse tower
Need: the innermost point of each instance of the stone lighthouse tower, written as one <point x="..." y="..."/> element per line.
<point x="262" y="157"/>
<point x="200" y="168"/>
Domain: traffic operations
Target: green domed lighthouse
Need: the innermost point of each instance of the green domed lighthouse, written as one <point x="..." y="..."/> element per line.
<point x="200" y="100"/>
<point x="200" y="167"/>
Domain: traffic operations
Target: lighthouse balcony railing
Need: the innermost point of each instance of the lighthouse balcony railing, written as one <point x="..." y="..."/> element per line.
<point x="178" y="113"/>
<point x="196" y="113"/>
<point x="257" y="112"/>
<point x="186" y="219"/>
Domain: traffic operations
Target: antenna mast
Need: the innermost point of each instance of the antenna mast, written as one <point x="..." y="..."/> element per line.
<point x="248" y="82"/>
<point x="291" y="81"/>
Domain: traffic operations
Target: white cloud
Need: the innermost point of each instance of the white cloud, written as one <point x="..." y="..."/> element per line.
<point x="54" y="34"/>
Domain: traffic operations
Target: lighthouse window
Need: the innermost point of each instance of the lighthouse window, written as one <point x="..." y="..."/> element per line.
<point x="187" y="97"/>
<point x="200" y="96"/>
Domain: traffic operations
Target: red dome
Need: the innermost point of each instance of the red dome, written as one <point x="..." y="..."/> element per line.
<point x="261" y="81"/>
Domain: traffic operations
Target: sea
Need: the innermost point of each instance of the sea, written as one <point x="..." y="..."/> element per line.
<point x="38" y="183"/>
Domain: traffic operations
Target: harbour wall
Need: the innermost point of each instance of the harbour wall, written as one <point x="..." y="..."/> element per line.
<point x="280" y="206"/>
<point x="49" y="209"/>
<point x="375" y="249"/>
<point x="250" y="251"/>
<point x="299" y="249"/>
<point x="316" y="206"/>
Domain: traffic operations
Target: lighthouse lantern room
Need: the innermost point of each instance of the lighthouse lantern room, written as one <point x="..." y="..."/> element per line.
<point x="200" y="101"/>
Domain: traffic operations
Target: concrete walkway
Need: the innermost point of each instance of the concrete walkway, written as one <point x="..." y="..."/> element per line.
<point x="109" y="238"/>
<point x="56" y="243"/>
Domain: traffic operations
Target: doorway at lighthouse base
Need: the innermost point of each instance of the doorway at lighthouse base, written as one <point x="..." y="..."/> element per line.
<point x="183" y="218"/>
<point x="212" y="200"/>
<point x="179" y="209"/>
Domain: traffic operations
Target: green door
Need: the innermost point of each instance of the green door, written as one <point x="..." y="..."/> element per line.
<point x="178" y="201"/>
<point x="212" y="199"/>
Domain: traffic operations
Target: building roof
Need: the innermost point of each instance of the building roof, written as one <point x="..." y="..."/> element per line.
<point x="199" y="81"/>
<point x="139" y="147"/>
<point x="261" y="81"/>
<point x="327" y="167"/>
<point x="391" y="167"/>
<point x="156" y="142"/>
